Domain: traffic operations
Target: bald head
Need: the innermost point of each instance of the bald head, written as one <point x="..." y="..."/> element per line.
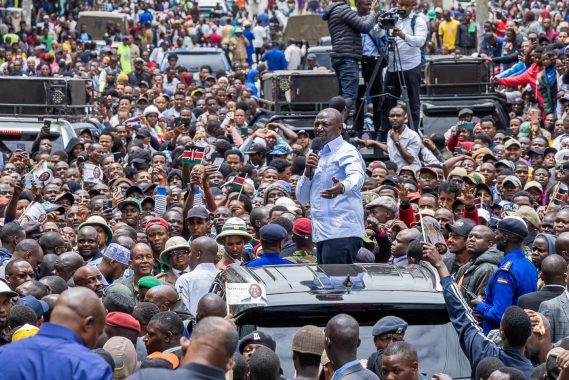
<point x="554" y="270"/>
<point x="89" y="277"/>
<point x="343" y="333"/>
<point x="211" y="305"/>
<point x="163" y="296"/>
<point x="80" y="310"/>
<point x="562" y="245"/>
<point x="204" y="250"/>
<point x="52" y="243"/>
<point x="67" y="263"/>
<point x="214" y="340"/>
<point x="29" y="250"/>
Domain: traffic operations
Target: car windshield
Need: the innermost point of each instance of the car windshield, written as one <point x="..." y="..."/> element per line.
<point x="193" y="62"/>
<point x="434" y="357"/>
<point x="11" y="143"/>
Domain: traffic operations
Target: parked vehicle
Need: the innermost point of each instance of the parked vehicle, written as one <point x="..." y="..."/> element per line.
<point x="193" y="59"/>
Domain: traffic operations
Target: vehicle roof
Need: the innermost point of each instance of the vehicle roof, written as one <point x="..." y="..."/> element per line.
<point x="103" y="14"/>
<point x="320" y="49"/>
<point x="198" y="50"/>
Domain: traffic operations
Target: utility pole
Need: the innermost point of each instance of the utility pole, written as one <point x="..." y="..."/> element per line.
<point x="482" y="14"/>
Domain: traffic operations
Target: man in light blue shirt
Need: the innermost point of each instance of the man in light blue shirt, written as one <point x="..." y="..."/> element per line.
<point x="331" y="185"/>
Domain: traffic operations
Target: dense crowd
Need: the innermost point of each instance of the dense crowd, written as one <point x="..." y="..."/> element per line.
<point x="109" y="247"/>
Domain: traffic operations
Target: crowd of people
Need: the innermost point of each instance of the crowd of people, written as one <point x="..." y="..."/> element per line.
<point x="110" y="246"/>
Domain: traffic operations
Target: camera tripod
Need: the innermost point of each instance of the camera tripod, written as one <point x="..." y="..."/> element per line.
<point x="391" y="47"/>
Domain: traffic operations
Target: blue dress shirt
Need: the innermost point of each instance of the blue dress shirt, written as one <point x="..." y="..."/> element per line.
<point x="342" y="216"/>
<point x="268" y="259"/>
<point x="55" y="353"/>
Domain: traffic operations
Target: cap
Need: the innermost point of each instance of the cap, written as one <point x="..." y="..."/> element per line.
<point x="461" y="227"/>
<point x="513" y="180"/>
<point x="290" y="205"/>
<point x="514" y="225"/>
<point x="67" y="196"/>
<point x="484" y="214"/>
<point x="119" y="180"/>
<point x="234" y="227"/>
<point x="156" y="221"/>
<point x="139" y="157"/>
<point x="458" y="172"/>
<point x="119" y="289"/>
<point x="149" y="282"/>
<point x="389" y="324"/>
<point x="33" y="229"/>
<point x="309" y="340"/>
<point x="368" y="196"/>
<point x="562" y="156"/>
<point x="39" y="307"/>
<point x="303" y="131"/>
<point x="480" y="151"/>
<point x="537" y="150"/>
<point x="310" y="56"/>
<point x="118" y="253"/>
<point x="133" y="189"/>
<point x="198" y="212"/>
<point x="488" y="157"/>
<point x="129" y="201"/>
<point x="430" y="171"/>
<point x="142" y="133"/>
<point x="528" y="214"/>
<point x="465" y="111"/>
<point x="26" y="331"/>
<point x="96" y="220"/>
<point x="273" y="232"/>
<point x="143" y="82"/>
<point x="258" y="337"/>
<point x="390" y="180"/>
<point x="385" y="202"/>
<point x="512" y="142"/>
<point x="138" y="60"/>
<point x="123" y="320"/>
<point x="280" y="149"/>
<point x="533" y="184"/>
<point x="151" y="109"/>
<point x="509" y="164"/>
<point x="257" y="147"/>
<point x="474" y="178"/>
<point x="549" y="150"/>
<point x="302" y="227"/>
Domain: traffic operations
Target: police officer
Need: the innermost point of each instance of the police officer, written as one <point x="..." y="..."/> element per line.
<point x="515" y="326"/>
<point x="516" y="275"/>
<point x="386" y="331"/>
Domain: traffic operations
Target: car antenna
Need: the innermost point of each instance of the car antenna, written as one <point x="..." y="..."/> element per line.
<point x="348" y="283"/>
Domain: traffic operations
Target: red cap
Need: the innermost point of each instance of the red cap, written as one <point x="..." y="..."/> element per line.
<point x="123" y="320"/>
<point x="156" y="221"/>
<point x="302" y="226"/>
<point x="429" y="170"/>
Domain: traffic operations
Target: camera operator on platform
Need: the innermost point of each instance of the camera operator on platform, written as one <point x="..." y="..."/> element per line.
<point x="410" y="35"/>
<point x="345" y="27"/>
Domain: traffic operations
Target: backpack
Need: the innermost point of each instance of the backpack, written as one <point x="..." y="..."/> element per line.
<point x="423" y="54"/>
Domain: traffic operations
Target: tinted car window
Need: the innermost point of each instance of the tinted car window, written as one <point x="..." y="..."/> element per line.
<point x="192" y="62"/>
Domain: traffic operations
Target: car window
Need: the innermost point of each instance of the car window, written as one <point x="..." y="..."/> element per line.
<point x="433" y="357"/>
<point x="192" y="62"/>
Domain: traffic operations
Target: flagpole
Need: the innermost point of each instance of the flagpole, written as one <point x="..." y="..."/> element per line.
<point x="81" y="191"/>
<point x="554" y="195"/>
<point x="422" y="227"/>
<point x="242" y="186"/>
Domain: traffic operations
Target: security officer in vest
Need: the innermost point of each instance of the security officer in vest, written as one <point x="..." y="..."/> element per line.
<point x="410" y="34"/>
<point x="372" y="46"/>
<point x="386" y="331"/>
<point x="516" y="275"/>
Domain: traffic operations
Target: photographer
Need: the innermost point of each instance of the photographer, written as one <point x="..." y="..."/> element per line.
<point x="345" y="27"/>
<point x="410" y="34"/>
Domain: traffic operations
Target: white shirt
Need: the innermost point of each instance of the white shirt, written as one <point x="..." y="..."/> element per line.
<point x="410" y="47"/>
<point x="293" y="56"/>
<point x="412" y="143"/>
<point x="194" y="285"/>
<point x="260" y="36"/>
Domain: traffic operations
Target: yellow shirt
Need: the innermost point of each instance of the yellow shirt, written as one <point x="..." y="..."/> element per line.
<point x="448" y="31"/>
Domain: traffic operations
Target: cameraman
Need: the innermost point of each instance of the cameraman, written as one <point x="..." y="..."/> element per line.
<point x="345" y="27"/>
<point x="410" y="35"/>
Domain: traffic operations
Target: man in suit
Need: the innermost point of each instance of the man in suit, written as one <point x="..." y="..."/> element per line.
<point x="256" y="295"/>
<point x="556" y="310"/>
<point x="213" y="343"/>
<point x="342" y="340"/>
<point x="554" y="276"/>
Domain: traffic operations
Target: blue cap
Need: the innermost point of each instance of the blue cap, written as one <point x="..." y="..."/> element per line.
<point x="39" y="307"/>
<point x="389" y="324"/>
<point x="273" y="232"/>
<point x="280" y="149"/>
<point x="514" y="225"/>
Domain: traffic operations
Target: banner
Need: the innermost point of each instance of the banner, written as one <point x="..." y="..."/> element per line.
<point x="245" y="294"/>
<point x="92" y="173"/>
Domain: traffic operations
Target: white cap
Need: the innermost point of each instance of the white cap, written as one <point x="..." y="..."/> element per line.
<point x="5" y="290"/>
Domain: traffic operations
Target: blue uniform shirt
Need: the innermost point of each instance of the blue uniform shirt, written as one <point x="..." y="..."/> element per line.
<point x="268" y="259"/>
<point x="473" y="343"/>
<point x="55" y="353"/>
<point x="516" y="276"/>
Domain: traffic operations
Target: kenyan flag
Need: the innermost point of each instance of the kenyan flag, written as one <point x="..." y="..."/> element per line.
<point x="193" y="156"/>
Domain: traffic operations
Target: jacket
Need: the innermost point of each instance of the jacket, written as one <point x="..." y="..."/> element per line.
<point x="556" y="311"/>
<point x="345" y="28"/>
<point x="466" y="39"/>
<point x="472" y="341"/>
<point x="473" y="277"/>
<point x="356" y="372"/>
<point x="192" y="371"/>
<point x="530" y="76"/>
<point x="534" y="300"/>
<point x="548" y="91"/>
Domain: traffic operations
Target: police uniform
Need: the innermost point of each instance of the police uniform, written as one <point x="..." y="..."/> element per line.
<point x="385" y="325"/>
<point x="516" y="276"/>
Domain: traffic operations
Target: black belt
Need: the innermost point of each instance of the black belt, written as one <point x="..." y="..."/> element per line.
<point x="370" y="58"/>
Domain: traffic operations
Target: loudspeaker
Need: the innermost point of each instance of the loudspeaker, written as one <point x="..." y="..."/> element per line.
<point x="473" y="76"/>
<point x="300" y="86"/>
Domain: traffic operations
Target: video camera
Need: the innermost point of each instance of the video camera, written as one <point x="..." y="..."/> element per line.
<point x="389" y="18"/>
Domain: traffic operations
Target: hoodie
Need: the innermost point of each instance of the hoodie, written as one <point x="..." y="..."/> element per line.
<point x="473" y="277"/>
<point x="250" y="83"/>
<point x="550" y="242"/>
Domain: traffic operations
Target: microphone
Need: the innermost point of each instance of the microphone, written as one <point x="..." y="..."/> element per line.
<point x="316" y="147"/>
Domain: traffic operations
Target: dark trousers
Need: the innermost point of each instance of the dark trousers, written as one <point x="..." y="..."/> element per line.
<point x="368" y="66"/>
<point x="392" y="86"/>
<point x="338" y="251"/>
<point x="347" y="70"/>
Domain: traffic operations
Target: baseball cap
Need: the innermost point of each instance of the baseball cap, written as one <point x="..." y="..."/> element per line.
<point x="387" y="203"/>
<point x="429" y="170"/>
<point x="390" y="180"/>
<point x="458" y="172"/>
<point x="389" y="324"/>
<point x="528" y="214"/>
<point x="198" y="212"/>
<point x="514" y="225"/>
<point x="5" y="289"/>
<point x="123" y="320"/>
<point x="533" y="184"/>
<point x="139" y="60"/>
<point x="512" y="142"/>
<point x="461" y="227"/>
<point x="257" y="147"/>
<point x="302" y="227"/>
<point x="302" y="132"/>
<point x="509" y="164"/>
<point x="513" y="180"/>
<point x="39" y="307"/>
<point x="309" y="339"/>
<point x="474" y="178"/>
<point x="562" y="156"/>
<point x="465" y="111"/>
<point x="129" y="201"/>
<point x="140" y="156"/>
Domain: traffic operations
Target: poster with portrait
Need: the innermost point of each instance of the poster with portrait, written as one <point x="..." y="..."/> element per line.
<point x="42" y="175"/>
<point x="92" y="173"/>
<point x="34" y="213"/>
<point x="245" y="294"/>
